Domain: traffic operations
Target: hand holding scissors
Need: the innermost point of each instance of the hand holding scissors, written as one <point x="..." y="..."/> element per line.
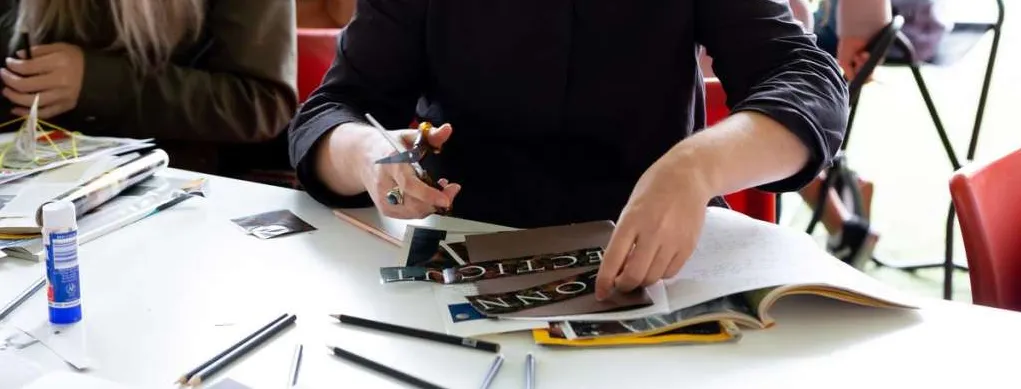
<point x="405" y="188"/>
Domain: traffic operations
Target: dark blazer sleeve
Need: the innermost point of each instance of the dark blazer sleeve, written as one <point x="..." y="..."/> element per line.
<point x="378" y="69"/>
<point x="767" y="63"/>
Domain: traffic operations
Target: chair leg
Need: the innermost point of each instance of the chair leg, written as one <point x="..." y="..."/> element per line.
<point x="948" y="257"/>
<point x="940" y="129"/>
<point x="985" y="88"/>
<point x="820" y="206"/>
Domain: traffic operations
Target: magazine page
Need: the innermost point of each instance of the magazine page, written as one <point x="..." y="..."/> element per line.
<point x="736" y="254"/>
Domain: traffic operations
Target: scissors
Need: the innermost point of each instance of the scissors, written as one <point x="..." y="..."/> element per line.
<point x="419" y="150"/>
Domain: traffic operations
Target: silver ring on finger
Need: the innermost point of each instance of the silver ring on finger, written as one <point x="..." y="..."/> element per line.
<point x="394" y="196"/>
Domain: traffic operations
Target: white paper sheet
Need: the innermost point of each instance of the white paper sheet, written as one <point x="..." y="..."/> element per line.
<point x="31" y="197"/>
<point x="64" y="380"/>
<point x="69" y="342"/>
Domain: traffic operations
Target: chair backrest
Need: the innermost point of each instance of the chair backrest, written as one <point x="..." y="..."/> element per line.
<point x="316" y="49"/>
<point x="754" y="203"/>
<point x="985" y="196"/>
<point x="878" y="48"/>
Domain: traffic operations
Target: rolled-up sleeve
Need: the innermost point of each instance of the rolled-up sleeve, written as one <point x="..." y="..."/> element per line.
<point x="377" y="70"/>
<point x="768" y="64"/>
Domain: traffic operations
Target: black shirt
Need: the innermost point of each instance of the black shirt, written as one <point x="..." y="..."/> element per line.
<point x="559" y="106"/>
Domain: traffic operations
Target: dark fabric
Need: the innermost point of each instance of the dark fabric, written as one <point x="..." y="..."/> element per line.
<point x="559" y="106"/>
<point x="218" y="107"/>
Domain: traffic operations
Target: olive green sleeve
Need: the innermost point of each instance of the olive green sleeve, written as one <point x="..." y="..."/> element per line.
<point x="241" y="88"/>
<point x="7" y="18"/>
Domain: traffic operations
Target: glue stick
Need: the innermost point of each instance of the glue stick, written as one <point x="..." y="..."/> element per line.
<point x="60" y="241"/>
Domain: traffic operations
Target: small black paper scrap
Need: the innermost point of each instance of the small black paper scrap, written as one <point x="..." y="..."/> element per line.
<point x="273" y="224"/>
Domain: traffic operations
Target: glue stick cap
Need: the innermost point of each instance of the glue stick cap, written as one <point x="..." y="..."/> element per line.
<point x="59" y="214"/>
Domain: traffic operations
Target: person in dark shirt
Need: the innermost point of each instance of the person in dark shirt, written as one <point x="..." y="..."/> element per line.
<point x="564" y="111"/>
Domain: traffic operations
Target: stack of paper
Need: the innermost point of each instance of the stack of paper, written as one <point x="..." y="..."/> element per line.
<point x="53" y="149"/>
<point x="541" y="280"/>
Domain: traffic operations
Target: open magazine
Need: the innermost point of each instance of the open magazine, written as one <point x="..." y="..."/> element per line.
<point x="501" y="282"/>
<point x="740" y="269"/>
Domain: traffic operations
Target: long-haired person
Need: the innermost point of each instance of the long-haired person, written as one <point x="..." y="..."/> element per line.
<point x="212" y="81"/>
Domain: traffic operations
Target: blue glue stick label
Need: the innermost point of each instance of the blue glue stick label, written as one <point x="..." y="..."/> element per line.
<point x="62" y="268"/>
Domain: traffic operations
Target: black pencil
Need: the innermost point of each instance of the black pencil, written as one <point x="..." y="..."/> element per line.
<point x="187" y="376"/>
<point x="25" y="43"/>
<point x="421" y="334"/>
<point x="393" y="373"/>
<point x="245" y="348"/>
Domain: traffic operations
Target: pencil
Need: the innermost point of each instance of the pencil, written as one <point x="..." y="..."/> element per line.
<point x="26" y="44"/>
<point x="493" y="369"/>
<point x="529" y="371"/>
<point x="292" y="380"/>
<point x="421" y="334"/>
<point x="24" y="296"/>
<point x="245" y="348"/>
<point x="379" y="368"/>
<point x="187" y="376"/>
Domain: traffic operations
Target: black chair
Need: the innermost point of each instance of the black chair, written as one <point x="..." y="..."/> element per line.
<point x="959" y="43"/>
<point x="839" y="175"/>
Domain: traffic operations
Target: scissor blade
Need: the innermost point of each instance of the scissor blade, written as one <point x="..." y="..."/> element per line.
<point x="405" y="157"/>
<point x="386" y="134"/>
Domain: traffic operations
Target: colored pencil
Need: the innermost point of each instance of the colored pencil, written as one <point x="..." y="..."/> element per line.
<point x="529" y="371"/>
<point x="493" y="369"/>
<point x="420" y="334"/>
<point x="292" y="379"/>
<point x="379" y="368"/>
<point x="259" y="339"/>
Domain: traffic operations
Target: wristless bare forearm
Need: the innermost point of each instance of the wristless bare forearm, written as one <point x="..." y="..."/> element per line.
<point x="745" y="150"/>
<point x="341" y="158"/>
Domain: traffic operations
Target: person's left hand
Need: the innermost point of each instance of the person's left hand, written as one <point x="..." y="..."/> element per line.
<point x="55" y="72"/>
<point x="658" y="228"/>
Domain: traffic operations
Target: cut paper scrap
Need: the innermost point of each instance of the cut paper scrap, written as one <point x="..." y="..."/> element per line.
<point x="24" y="145"/>
<point x="66" y="341"/>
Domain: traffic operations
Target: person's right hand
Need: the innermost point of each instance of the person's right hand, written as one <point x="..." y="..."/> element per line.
<point x="852" y="55"/>
<point x="420" y="199"/>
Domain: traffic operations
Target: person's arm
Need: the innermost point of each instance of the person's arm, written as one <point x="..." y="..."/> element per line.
<point x="789" y="109"/>
<point x="862" y="18"/>
<point x="788" y="100"/>
<point x="243" y="89"/>
<point x="377" y="70"/>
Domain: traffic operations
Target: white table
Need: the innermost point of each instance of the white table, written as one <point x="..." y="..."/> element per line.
<point x="158" y="293"/>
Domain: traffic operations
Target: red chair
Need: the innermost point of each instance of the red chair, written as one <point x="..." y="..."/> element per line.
<point x="752" y="202"/>
<point x="316" y="49"/>
<point x="985" y="196"/>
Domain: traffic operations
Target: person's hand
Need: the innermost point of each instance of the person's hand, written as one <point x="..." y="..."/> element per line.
<point x="55" y="73"/>
<point x="658" y="228"/>
<point x="852" y="55"/>
<point x="420" y="199"/>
